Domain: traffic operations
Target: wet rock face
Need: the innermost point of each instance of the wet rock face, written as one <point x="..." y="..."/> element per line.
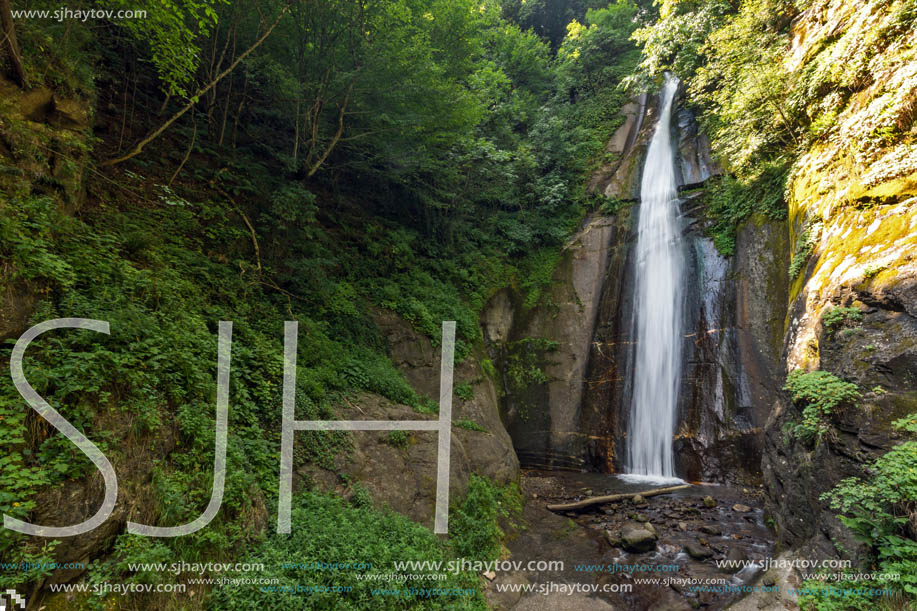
<point x="734" y="331"/>
<point x="734" y="319"/>
<point x="879" y="354"/>
<point x="695" y="161"/>
<point x="546" y="421"/>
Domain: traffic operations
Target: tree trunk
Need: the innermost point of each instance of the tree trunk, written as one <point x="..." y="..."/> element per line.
<point x="611" y="498"/>
<point x="11" y="46"/>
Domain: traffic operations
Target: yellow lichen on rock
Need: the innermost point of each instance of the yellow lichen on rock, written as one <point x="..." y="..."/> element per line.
<point x="858" y="181"/>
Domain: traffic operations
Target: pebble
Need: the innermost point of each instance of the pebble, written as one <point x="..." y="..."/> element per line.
<point x="710" y="530"/>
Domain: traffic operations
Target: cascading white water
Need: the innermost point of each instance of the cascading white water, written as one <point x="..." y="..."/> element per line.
<point x="658" y="299"/>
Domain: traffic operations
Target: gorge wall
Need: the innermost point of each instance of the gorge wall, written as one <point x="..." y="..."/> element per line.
<point x="853" y="215"/>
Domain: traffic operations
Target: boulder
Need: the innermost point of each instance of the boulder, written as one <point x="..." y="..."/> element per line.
<point x="612" y="539"/>
<point x="637" y="539"/>
<point x="734" y="557"/>
<point x="698" y="551"/>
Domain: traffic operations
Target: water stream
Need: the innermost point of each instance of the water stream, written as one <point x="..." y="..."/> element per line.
<point x="658" y="307"/>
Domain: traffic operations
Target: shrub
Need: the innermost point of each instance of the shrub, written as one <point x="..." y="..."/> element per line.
<point x="732" y="200"/>
<point x="805" y="246"/>
<point x="325" y="529"/>
<point x="879" y="510"/>
<point x="821" y="394"/>
<point x="398" y="439"/>
<point x="835" y="317"/>
<point x="465" y="392"/>
<point x="474" y="528"/>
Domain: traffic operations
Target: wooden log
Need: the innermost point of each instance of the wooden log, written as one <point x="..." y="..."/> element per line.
<point x="600" y="500"/>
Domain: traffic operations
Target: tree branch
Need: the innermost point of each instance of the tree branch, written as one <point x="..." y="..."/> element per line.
<point x="337" y="135"/>
<point x="137" y="149"/>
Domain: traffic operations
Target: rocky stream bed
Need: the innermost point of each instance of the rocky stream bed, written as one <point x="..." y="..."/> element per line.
<point x="688" y="530"/>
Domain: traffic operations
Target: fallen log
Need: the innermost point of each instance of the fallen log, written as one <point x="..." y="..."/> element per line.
<point x="600" y="500"/>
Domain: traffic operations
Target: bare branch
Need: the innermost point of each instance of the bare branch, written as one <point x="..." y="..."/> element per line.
<point x="158" y="132"/>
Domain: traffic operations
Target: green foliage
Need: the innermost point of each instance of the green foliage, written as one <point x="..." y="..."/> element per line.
<point x="731" y="201"/>
<point x="474" y="526"/>
<point x="742" y="85"/>
<point x="472" y="140"/>
<point x="37" y="556"/>
<point x="836" y="317"/>
<point x="162" y="297"/>
<point x="613" y="205"/>
<point x="524" y="362"/>
<point x="58" y="53"/>
<point x="675" y="41"/>
<point x="469" y="425"/>
<point x="398" y="439"/>
<point x="538" y="274"/>
<point x="908" y="423"/>
<point x="879" y="510"/>
<point x="427" y="406"/>
<point x="731" y="56"/>
<point x="170" y="30"/>
<point x="359" y="495"/>
<point x="871" y="271"/>
<point x="465" y="392"/>
<point x="325" y="529"/>
<point x="821" y="394"/>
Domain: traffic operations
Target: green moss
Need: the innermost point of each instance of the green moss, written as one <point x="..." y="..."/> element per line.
<point x="805" y="245"/>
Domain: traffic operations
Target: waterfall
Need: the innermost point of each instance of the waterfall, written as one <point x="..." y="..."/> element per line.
<point x="658" y="305"/>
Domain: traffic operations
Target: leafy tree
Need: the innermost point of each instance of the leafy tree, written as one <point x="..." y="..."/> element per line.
<point x="171" y="30"/>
